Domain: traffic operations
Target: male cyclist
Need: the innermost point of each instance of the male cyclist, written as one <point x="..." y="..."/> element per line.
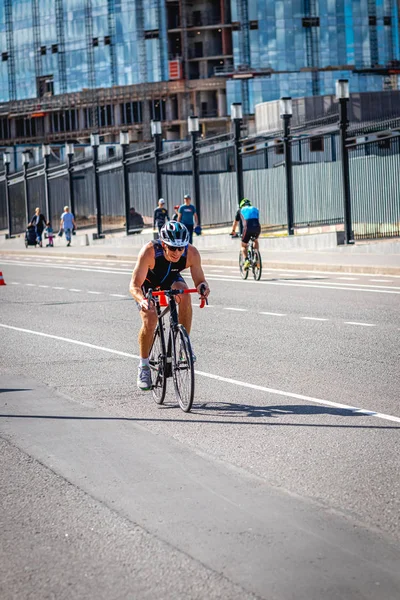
<point x="250" y="218"/>
<point x="159" y="265"/>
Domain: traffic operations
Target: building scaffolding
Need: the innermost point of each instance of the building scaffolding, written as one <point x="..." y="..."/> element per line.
<point x="12" y="88"/>
<point x="62" y="71"/>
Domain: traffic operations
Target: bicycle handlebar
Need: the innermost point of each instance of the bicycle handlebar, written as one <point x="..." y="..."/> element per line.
<point x="151" y="294"/>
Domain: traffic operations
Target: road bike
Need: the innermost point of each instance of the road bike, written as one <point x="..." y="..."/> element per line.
<point x="171" y="351"/>
<point x="254" y="258"/>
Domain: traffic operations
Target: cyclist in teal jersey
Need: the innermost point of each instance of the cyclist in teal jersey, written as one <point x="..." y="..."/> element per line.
<point x="250" y="217"/>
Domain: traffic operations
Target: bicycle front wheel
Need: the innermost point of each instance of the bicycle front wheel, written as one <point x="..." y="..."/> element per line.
<point x="243" y="272"/>
<point x="157" y="365"/>
<point x="183" y="369"/>
<point x="257" y="265"/>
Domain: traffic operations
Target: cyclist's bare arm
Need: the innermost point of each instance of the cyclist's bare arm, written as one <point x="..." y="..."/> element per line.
<point x="145" y="262"/>
<point x="196" y="270"/>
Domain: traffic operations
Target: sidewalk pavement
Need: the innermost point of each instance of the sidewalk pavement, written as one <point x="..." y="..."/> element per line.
<point x="377" y="256"/>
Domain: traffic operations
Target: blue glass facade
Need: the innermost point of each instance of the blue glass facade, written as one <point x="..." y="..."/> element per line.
<point x="102" y="43"/>
<point x="295" y="36"/>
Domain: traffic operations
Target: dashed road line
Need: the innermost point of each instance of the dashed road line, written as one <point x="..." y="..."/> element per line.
<point x="97" y="293"/>
<point x="58" y="288"/>
<point x="236" y="309"/>
<point x="273" y="314"/>
<point x="314" y="319"/>
<point x="120" y="295"/>
<point x="360" y="324"/>
<point x="74" y="290"/>
<point x="43" y="286"/>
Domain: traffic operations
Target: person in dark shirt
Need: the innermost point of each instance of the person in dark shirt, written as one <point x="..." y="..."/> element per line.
<point x="160" y="215"/>
<point x="136" y="222"/>
<point x="159" y="266"/>
<point x="38" y="221"/>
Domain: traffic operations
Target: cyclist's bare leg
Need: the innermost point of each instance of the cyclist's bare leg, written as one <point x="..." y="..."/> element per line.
<point x="256" y="244"/>
<point x="146" y="333"/>
<point x="244" y="250"/>
<point x="185" y="306"/>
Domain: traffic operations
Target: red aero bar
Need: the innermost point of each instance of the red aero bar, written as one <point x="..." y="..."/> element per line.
<point x="163" y="299"/>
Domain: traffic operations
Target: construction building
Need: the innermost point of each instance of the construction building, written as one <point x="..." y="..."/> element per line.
<point x="70" y="67"/>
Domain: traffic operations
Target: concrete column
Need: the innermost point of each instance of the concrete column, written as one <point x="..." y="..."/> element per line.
<point x="81" y="118"/>
<point x="117" y="115"/>
<point x="168" y="110"/>
<point x="221" y="99"/>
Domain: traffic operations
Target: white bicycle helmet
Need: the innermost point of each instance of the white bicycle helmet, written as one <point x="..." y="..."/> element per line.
<point x="174" y="234"/>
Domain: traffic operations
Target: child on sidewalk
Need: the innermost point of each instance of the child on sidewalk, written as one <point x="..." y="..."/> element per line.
<point x="50" y="234"/>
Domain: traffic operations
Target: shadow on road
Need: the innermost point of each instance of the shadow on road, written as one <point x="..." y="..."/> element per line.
<point x="223" y="416"/>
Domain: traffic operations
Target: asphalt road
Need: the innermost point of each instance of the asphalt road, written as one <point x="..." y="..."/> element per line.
<point x="282" y="483"/>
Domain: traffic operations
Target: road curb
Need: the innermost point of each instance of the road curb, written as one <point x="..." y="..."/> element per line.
<point x="366" y="269"/>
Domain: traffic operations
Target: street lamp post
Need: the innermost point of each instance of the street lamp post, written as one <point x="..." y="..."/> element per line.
<point x="6" y="161"/>
<point x="70" y="151"/>
<point x="286" y="115"/>
<point x="124" y="142"/>
<point x="194" y="128"/>
<point x="156" y="132"/>
<point x="46" y="159"/>
<point x="237" y="117"/>
<point x="343" y="95"/>
<point x="25" y="162"/>
<point x="95" y="143"/>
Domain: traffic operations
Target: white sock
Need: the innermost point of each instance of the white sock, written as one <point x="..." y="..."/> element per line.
<point x="144" y="362"/>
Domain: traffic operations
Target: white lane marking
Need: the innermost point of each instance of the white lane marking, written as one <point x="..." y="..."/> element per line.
<point x="95" y="292"/>
<point x="273" y="314"/>
<point x="120" y="295"/>
<point x="381" y="280"/>
<point x="43" y="286"/>
<point x="31" y="284"/>
<point x="347" y="278"/>
<point x="319" y="285"/>
<point x="237" y="309"/>
<point x="58" y="288"/>
<point x="321" y="401"/>
<point x="361" y="324"/>
<point x="74" y="290"/>
<point x="313" y="319"/>
<point x="14" y="282"/>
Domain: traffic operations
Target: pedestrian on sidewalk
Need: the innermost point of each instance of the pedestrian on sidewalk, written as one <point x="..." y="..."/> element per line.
<point x="188" y="216"/>
<point x="160" y="215"/>
<point x="38" y="221"/>
<point x="67" y="224"/>
<point x="50" y="235"/>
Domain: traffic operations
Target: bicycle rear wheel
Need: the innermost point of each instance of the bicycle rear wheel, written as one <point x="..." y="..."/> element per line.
<point x="183" y="369"/>
<point x="243" y="272"/>
<point x="157" y="362"/>
<point x="257" y="265"/>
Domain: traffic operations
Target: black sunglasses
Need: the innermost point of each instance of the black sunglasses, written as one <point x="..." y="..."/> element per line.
<point x="173" y="248"/>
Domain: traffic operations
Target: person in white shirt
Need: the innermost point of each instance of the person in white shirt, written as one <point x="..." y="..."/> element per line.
<point x="67" y="223"/>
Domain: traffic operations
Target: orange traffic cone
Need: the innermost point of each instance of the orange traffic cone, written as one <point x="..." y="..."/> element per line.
<point x="2" y="282"/>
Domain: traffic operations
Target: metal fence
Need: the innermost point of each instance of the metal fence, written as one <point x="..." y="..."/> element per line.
<point x="316" y="171"/>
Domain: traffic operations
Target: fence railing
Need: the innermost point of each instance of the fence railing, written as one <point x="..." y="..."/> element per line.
<point x="259" y="163"/>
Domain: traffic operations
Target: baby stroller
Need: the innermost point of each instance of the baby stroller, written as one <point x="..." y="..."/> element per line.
<point x="30" y="236"/>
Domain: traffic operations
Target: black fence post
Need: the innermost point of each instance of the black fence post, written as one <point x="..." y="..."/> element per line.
<point x="70" y="151"/>
<point x="194" y="128"/>
<point x="46" y="159"/>
<point x="25" y="161"/>
<point x="95" y="143"/>
<point x="156" y="132"/>
<point x="342" y="94"/>
<point x="286" y="115"/>
<point x="237" y="116"/>
<point x="124" y="142"/>
<point x="6" y="160"/>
